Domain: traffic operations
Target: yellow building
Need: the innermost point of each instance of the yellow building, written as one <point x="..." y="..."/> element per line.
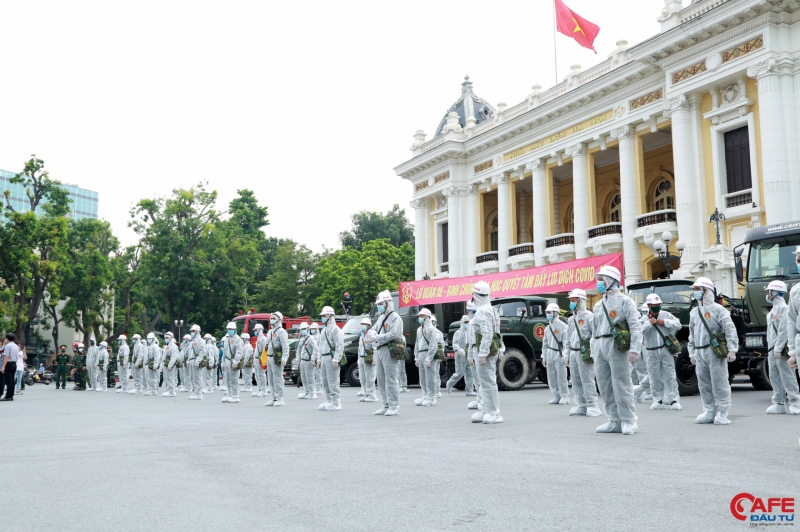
<point x="702" y="116"/>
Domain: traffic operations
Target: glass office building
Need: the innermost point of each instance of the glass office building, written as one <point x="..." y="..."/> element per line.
<point x="83" y="202"/>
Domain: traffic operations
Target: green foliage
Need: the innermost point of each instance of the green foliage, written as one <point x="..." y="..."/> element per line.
<point x="247" y="215"/>
<point x="392" y="226"/>
<point x="290" y="287"/>
<point x="378" y="266"/>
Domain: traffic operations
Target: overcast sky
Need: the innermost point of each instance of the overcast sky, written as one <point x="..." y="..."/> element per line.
<point x="310" y="104"/>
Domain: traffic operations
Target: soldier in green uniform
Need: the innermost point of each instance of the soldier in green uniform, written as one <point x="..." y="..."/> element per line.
<point x="62" y="359"/>
<point x="79" y="362"/>
<point x="112" y="367"/>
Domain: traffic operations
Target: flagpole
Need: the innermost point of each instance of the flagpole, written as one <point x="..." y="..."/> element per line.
<point x="555" y="45"/>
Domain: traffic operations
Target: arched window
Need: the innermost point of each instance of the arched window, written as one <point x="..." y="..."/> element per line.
<point x="569" y="220"/>
<point x="664" y="195"/>
<point x="493" y="234"/>
<point x="614" y="209"/>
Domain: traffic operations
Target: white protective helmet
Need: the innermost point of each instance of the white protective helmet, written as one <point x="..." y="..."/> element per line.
<point x="258" y="327"/>
<point x="610" y="271"/>
<point x="207" y="336"/>
<point x="703" y="282"/>
<point x="151" y="336"/>
<point x="471" y="306"/>
<point x="80" y="345"/>
<point x="481" y="288"/>
<point x="231" y="325"/>
<point x="314" y="325"/>
<point x="652" y="299"/>
<point x="645" y="308"/>
<point x="327" y="311"/>
<point x="425" y="313"/>
<point x="168" y="334"/>
<point x="304" y="325"/>
<point x="195" y="328"/>
<point x="383" y="296"/>
<point x="122" y="337"/>
<point x="137" y="337"/>
<point x="245" y="336"/>
<point x="187" y="337"/>
<point x="277" y="315"/>
<point x="579" y="293"/>
<point x="552" y="307"/>
<point x="367" y="322"/>
<point x="103" y="344"/>
<point x="777" y="286"/>
<point x="464" y="319"/>
<point x="796" y="251"/>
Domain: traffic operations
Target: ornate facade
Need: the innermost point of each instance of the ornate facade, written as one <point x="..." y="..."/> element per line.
<point x="703" y="116"/>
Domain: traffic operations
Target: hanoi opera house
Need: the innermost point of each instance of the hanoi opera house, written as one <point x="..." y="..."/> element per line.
<point x="704" y="116"/>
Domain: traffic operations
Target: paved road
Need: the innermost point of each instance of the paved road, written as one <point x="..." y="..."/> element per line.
<point x="110" y="461"/>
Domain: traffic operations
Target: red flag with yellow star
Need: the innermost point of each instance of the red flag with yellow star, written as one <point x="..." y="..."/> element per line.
<point x="573" y="25"/>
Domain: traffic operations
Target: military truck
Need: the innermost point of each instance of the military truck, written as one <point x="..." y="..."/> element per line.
<point x="522" y="326"/>
<point x="769" y="258"/>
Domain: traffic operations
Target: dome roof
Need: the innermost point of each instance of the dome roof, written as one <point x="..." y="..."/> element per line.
<point x="469" y="104"/>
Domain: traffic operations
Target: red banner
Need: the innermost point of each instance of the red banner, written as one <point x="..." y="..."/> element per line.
<point x="550" y="279"/>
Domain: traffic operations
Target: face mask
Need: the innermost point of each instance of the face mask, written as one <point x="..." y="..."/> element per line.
<point x="698" y="295"/>
<point x="258" y="332"/>
<point x="149" y="341"/>
<point x="463" y="325"/>
<point x="601" y="287"/>
<point x="769" y="299"/>
<point x="118" y="343"/>
<point x="573" y="306"/>
<point x="551" y="317"/>
<point x="231" y="332"/>
<point x="194" y="334"/>
<point x="363" y="328"/>
<point x="381" y="309"/>
<point x="798" y="267"/>
<point x="324" y="319"/>
<point x="273" y="321"/>
<point x="312" y="332"/>
<point x="655" y="310"/>
<point x="421" y="320"/>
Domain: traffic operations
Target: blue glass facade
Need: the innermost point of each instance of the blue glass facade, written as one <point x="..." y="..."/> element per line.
<point x="83" y="202"/>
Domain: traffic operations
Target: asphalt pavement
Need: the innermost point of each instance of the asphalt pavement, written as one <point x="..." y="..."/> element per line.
<point x="106" y="461"/>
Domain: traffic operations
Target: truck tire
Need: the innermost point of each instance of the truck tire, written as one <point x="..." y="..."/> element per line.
<point x="512" y="370"/>
<point x="759" y="377"/>
<point x="685" y="373"/>
<point x="351" y="375"/>
<point x="541" y="373"/>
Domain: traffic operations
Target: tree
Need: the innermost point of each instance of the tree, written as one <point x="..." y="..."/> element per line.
<point x="290" y="288"/>
<point x="247" y="215"/>
<point x="367" y="226"/>
<point x="378" y="266"/>
<point x="88" y="277"/>
<point x="34" y="245"/>
<point x="195" y="266"/>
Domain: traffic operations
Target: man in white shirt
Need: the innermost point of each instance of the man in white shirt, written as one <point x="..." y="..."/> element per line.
<point x="9" y="365"/>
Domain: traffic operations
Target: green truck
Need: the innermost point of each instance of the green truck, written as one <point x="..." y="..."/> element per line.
<point x="769" y="257"/>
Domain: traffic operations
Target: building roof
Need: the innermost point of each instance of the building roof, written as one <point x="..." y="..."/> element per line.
<point x="468" y="104"/>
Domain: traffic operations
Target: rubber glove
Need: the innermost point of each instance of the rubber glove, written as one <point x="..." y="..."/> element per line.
<point x="732" y="356"/>
<point x="633" y="357"/>
<point x="334" y="364"/>
<point x="565" y="360"/>
<point x="793" y="361"/>
<point x="427" y="363"/>
<point x="471" y="362"/>
<point x="693" y="360"/>
<point x="482" y="361"/>
<point x="544" y="361"/>
<point x="416" y="363"/>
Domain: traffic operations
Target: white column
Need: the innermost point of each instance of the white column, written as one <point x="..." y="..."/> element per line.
<point x="453" y="231"/>
<point x="522" y="218"/>
<point x="471" y="230"/>
<point x="503" y="219"/>
<point x="421" y="245"/>
<point x="538" y="168"/>
<point x="580" y="198"/>
<point x="778" y="192"/>
<point x="684" y="153"/>
<point x="629" y="203"/>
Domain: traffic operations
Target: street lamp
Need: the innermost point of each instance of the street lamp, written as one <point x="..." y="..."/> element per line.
<point x="662" y="250"/>
<point x="179" y="325"/>
<point x="716" y="218"/>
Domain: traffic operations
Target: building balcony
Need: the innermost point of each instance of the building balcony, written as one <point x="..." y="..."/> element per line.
<point x="487" y="263"/>
<point x="739" y="205"/>
<point x="521" y="256"/>
<point x="605" y="238"/>
<point x="560" y="248"/>
<point x="650" y="226"/>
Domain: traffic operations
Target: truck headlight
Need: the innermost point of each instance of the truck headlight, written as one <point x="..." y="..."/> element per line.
<point x="754" y="341"/>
